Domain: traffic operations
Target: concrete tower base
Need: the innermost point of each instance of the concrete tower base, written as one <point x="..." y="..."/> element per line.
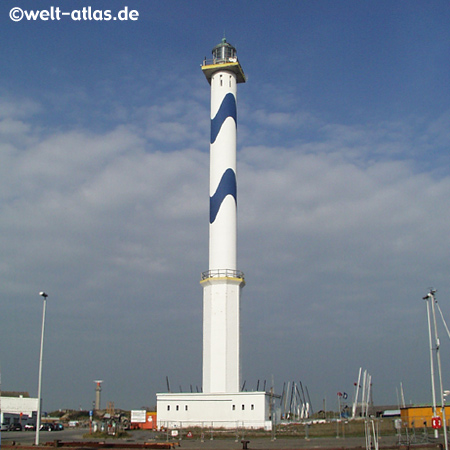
<point x="239" y="410"/>
<point x="221" y="298"/>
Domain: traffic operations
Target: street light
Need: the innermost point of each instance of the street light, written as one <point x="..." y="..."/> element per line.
<point x="431" y="297"/>
<point x="38" y="419"/>
<point x="428" y="298"/>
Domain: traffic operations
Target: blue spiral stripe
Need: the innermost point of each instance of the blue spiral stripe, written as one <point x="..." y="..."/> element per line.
<point x="227" y="109"/>
<point x="227" y="186"/>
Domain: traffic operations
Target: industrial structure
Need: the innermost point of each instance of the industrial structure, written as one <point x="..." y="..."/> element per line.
<point x="98" y="392"/>
<point x="220" y="404"/>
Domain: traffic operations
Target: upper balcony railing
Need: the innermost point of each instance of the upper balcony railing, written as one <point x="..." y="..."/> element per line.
<point x="212" y="61"/>
<point x="223" y="273"/>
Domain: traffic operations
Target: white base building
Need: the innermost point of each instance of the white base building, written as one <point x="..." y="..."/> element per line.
<point x="222" y="410"/>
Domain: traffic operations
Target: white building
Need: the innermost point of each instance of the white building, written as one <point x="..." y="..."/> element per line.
<point x="221" y="404"/>
<point x="238" y="410"/>
<point x="18" y="410"/>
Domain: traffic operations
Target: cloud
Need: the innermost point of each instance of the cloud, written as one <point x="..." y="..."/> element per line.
<point x="337" y="246"/>
<point x="12" y="108"/>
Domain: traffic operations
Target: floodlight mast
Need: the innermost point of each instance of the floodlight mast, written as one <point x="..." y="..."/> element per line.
<point x="433" y="388"/>
<point x="431" y="297"/>
<point x="39" y="405"/>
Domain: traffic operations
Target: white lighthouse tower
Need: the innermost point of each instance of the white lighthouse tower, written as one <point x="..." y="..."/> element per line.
<point x="222" y="283"/>
<point x="221" y="403"/>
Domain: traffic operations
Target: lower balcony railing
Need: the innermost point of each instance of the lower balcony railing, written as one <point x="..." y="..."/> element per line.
<point x="222" y="273"/>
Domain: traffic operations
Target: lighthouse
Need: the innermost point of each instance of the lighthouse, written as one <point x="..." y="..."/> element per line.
<point x="220" y="404"/>
<point x="222" y="283"/>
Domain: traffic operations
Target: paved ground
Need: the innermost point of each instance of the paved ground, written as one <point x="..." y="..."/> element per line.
<point x="27" y="438"/>
<point x="268" y="444"/>
<point x="279" y="443"/>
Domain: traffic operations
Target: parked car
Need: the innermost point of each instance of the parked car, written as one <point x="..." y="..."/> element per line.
<point x="15" y="427"/>
<point x="4" y="427"/>
<point x="58" y="426"/>
<point x="46" y="427"/>
<point x="29" y="427"/>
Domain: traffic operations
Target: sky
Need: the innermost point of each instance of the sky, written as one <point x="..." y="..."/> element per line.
<point x="343" y="195"/>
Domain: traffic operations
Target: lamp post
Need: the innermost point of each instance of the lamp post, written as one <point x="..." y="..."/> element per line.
<point x="432" y="300"/>
<point x="428" y="299"/>
<point x="438" y="357"/>
<point x="38" y="419"/>
<point x="444" y="399"/>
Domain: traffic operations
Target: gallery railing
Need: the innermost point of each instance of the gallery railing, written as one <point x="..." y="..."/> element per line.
<point x="223" y="273"/>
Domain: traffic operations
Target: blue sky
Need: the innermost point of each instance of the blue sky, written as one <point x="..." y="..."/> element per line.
<point x="343" y="188"/>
